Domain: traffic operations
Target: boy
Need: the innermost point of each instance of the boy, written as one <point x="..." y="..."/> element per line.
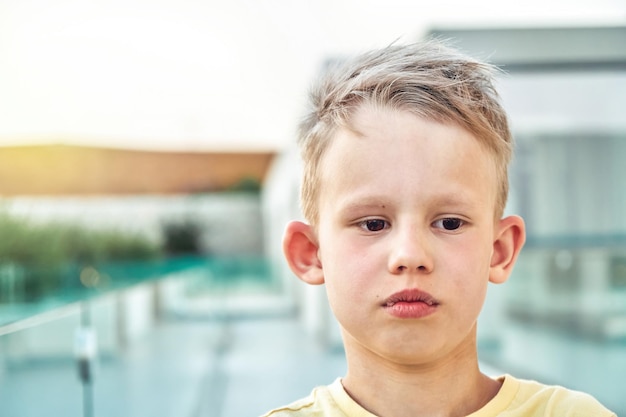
<point x="405" y="182"/>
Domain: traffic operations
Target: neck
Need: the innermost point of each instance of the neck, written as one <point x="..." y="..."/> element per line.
<point x="450" y="387"/>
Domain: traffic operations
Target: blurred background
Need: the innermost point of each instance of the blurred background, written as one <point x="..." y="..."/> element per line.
<point x="148" y="168"/>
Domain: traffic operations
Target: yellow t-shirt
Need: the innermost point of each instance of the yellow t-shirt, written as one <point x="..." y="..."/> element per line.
<point x="516" y="398"/>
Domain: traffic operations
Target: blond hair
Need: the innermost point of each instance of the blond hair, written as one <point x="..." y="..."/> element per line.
<point x="428" y="79"/>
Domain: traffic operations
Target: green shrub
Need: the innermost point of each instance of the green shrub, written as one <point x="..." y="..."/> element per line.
<point x="246" y="184"/>
<point x="48" y="253"/>
<point x="55" y="244"/>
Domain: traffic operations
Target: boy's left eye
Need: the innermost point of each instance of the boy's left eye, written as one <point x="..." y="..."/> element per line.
<point x="373" y="225"/>
<point x="449" y="223"/>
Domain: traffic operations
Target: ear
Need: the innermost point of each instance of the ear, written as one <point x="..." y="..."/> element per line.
<point x="509" y="239"/>
<point x="300" y="248"/>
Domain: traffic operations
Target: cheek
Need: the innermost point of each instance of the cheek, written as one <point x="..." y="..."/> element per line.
<point x="348" y="274"/>
<point x="470" y="270"/>
<point x="342" y="269"/>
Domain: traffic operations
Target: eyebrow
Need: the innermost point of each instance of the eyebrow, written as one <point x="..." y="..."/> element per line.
<point x="356" y="203"/>
<point x="457" y="199"/>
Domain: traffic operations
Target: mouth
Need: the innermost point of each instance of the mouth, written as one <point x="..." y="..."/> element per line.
<point x="411" y="303"/>
<point x="410" y="296"/>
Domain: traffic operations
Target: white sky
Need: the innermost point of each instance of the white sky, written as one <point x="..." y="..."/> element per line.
<point x="202" y="74"/>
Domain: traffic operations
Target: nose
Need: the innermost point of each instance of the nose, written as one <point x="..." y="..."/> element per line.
<point x="410" y="252"/>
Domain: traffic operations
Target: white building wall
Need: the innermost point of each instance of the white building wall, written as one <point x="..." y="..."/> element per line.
<point x="281" y="205"/>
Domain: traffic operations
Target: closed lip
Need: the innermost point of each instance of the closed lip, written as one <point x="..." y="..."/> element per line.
<point x="410" y="296"/>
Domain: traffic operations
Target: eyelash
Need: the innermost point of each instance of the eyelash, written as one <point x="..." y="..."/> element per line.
<point x="458" y="223"/>
<point x="453" y="224"/>
<point x="366" y="223"/>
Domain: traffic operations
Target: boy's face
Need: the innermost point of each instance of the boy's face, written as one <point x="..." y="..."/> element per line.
<point x="406" y="234"/>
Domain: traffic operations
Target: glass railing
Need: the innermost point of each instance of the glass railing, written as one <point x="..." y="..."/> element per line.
<point x="27" y="291"/>
<point x="562" y="316"/>
<point x="65" y="351"/>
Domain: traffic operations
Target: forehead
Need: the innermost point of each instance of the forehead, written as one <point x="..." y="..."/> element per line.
<point x="389" y="153"/>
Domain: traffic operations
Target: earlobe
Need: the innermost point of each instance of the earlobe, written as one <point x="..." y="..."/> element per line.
<point x="301" y="251"/>
<point x="508" y="243"/>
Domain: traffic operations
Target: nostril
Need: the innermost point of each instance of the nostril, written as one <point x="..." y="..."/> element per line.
<point x="420" y="268"/>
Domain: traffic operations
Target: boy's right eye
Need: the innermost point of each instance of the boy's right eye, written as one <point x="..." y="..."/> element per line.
<point x="373" y="225"/>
